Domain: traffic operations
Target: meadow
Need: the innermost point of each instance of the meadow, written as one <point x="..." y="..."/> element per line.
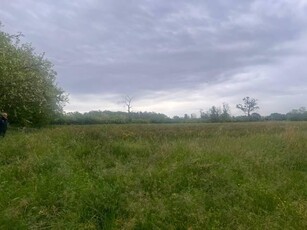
<point x="171" y="176"/>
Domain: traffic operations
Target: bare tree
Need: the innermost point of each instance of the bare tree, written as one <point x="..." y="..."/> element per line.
<point x="128" y="103"/>
<point x="249" y="105"/>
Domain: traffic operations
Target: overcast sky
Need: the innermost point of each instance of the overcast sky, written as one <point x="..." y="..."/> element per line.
<point x="174" y="56"/>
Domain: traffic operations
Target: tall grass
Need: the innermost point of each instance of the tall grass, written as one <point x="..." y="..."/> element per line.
<point x="196" y="176"/>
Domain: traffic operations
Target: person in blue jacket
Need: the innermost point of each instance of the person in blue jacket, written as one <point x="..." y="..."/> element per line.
<point x="3" y="124"/>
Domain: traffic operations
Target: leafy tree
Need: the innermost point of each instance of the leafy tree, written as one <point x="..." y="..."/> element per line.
<point x="214" y="114"/>
<point x="176" y="118"/>
<point x="249" y="105"/>
<point x="277" y="117"/>
<point x="193" y="116"/>
<point x="255" y="117"/>
<point x="225" y="116"/>
<point x="203" y="115"/>
<point x="297" y="114"/>
<point x="28" y="93"/>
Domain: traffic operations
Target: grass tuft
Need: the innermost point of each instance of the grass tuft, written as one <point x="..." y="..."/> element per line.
<point x="187" y="176"/>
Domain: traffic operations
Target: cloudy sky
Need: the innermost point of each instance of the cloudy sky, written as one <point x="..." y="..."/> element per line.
<point x="173" y="56"/>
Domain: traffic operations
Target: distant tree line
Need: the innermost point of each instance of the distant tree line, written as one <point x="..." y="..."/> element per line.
<point x="105" y="117"/>
<point x="214" y="114"/>
<point x="294" y="115"/>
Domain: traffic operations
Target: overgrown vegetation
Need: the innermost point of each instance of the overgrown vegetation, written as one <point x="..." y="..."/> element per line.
<point x="29" y="93"/>
<point x="188" y="176"/>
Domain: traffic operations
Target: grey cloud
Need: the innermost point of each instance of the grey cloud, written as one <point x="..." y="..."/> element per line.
<point x="155" y="45"/>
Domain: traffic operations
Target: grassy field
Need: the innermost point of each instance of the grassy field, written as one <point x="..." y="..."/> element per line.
<point x="188" y="176"/>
